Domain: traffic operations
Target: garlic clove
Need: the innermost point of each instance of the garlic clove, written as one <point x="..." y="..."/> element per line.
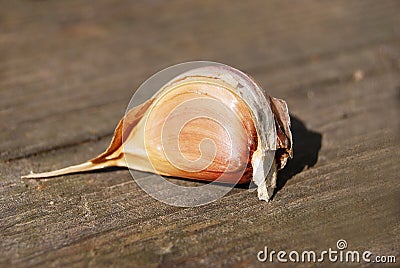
<point x="220" y="117"/>
<point x="209" y="123"/>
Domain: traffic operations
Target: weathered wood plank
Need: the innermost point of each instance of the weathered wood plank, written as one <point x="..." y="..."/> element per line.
<point x="78" y="75"/>
<point x="289" y="214"/>
<point x="102" y="206"/>
<point x="88" y="123"/>
<point x="66" y="77"/>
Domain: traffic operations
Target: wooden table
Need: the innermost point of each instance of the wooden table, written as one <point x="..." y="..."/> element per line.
<point x="69" y="68"/>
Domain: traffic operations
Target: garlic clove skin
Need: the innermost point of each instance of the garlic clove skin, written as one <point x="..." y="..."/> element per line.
<point x="230" y="131"/>
<point x="265" y="120"/>
<point x="252" y="142"/>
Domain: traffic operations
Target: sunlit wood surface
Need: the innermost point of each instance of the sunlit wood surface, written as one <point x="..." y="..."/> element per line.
<point x="69" y="68"/>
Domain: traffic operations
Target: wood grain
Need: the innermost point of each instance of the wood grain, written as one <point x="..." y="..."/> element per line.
<point x="69" y="68"/>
